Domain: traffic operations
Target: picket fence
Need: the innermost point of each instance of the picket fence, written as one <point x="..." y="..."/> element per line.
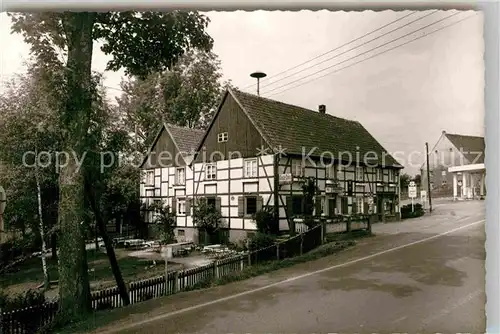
<point x="29" y="320"/>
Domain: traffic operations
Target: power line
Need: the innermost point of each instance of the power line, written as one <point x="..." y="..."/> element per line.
<point x="351" y="49"/>
<point x="117" y="89"/>
<point x="378" y="54"/>
<point x="341" y="46"/>
<point x="336" y="64"/>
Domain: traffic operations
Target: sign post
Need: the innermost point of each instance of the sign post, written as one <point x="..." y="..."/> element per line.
<point x="412" y="193"/>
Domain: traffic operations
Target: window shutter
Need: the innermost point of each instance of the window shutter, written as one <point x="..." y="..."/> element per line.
<point x="241" y="206"/>
<point x="218" y="203"/>
<point x="174" y="205"/>
<point x="289" y="206"/>
<point x="188" y="206"/>
<point x="318" y="206"/>
<point x="259" y="203"/>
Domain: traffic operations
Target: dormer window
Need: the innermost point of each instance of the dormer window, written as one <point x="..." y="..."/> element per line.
<point x="222" y="137"/>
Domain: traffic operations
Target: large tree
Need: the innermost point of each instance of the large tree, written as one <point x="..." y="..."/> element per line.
<point x="139" y="42"/>
<point x="28" y="123"/>
<point x="185" y="95"/>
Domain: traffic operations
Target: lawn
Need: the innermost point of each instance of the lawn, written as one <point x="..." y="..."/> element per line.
<point x="29" y="274"/>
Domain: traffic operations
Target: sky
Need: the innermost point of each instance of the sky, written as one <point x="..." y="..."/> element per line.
<point x="404" y="97"/>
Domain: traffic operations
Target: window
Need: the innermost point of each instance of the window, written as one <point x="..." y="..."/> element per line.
<point x="379" y="174"/>
<point x="181" y="233"/>
<point x="391" y="175"/>
<point x="180" y="176"/>
<point x="359" y="204"/>
<point x="443" y="173"/>
<point x="250" y="205"/>
<point x="297" y="168"/>
<point x="181" y="206"/>
<point x="331" y="172"/>
<point x="211" y="201"/>
<point x="359" y="174"/>
<point x="150" y="178"/>
<point x="250" y="168"/>
<point x="222" y="137"/>
<point x="211" y="172"/>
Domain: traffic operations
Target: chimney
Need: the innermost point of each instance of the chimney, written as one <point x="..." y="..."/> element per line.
<point x="322" y="109"/>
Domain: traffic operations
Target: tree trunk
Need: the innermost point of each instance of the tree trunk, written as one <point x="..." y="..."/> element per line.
<point x="118" y="223"/>
<point x="96" y="236"/>
<point x="122" y="288"/>
<point x="74" y="288"/>
<point x="42" y="233"/>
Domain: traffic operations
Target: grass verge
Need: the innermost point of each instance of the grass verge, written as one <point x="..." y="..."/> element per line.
<point x="336" y="243"/>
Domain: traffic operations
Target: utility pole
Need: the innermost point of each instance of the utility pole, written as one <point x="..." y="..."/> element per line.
<point x="428" y="177"/>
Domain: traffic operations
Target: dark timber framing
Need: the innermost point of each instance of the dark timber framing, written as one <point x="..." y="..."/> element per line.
<point x="242" y="116"/>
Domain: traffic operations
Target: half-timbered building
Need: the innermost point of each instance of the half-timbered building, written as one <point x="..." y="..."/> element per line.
<point x="258" y="152"/>
<point x="167" y="174"/>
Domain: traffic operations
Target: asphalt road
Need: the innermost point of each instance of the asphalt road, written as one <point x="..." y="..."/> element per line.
<point x="397" y="282"/>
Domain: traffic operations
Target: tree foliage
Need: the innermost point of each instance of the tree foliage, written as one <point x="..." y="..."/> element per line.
<point x="28" y="122"/>
<point x="309" y="191"/>
<point x="404" y="181"/>
<point x="206" y="216"/>
<point x="266" y="221"/>
<point x="165" y="221"/>
<point x="142" y="43"/>
<point x="186" y="95"/>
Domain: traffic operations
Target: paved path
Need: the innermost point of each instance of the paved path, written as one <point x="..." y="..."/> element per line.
<point x="423" y="275"/>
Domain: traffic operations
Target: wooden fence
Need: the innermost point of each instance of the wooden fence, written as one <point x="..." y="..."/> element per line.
<point x="28" y="320"/>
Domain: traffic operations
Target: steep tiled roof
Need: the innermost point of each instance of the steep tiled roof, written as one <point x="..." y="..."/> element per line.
<point x="295" y="128"/>
<point x="471" y="146"/>
<point x="187" y="139"/>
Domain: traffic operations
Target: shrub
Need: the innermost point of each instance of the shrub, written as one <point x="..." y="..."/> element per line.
<point x="27" y="299"/>
<point x="206" y="216"/>
<point x="406" y="211"/>
<point x="265" y="221"/>
<point x="165" y="222"/>
<point x="261" y="240"/>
